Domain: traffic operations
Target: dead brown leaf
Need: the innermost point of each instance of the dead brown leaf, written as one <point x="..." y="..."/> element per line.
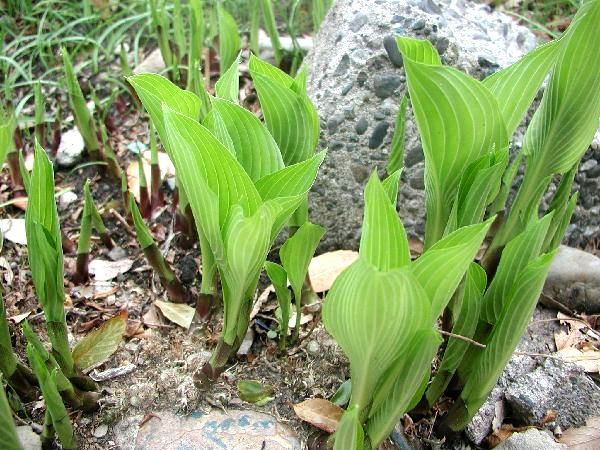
<point x="320" y="413"/>
<point x="583" y="438"/>
<point x="325" y="268"/>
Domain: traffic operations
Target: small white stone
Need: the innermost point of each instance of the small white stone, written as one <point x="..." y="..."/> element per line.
<point x="67" y="198"/>
<point x="71" y="148"/>
<point x="101" y="431"/>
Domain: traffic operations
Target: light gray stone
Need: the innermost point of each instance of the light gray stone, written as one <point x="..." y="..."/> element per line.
<point x="66" y="199"/>
<point x="235" y="430"/>
<point x="574" y="280"/>
<point x="558" y="386"/>
<point x="70" y="150"/>
<point x="28" y="438"/>
<point x="101" y="431"/>
<point x="354" y="64"/>
<point x="531" y="439"/>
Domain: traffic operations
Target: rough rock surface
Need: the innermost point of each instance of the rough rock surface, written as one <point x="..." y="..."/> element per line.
<point x="529" y="386"/>
<point x="236" y="430"/>
<point x="531" y="439"/>
<point x="356" y="81"/>
<point x="554" y="386"/>
<point x="574" y="280"/>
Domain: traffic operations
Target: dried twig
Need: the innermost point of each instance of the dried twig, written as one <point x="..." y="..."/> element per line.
<point x="462" y="338"/>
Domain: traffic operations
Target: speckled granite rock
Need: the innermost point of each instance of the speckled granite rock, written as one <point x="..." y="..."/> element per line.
<point x="356" y="80"/>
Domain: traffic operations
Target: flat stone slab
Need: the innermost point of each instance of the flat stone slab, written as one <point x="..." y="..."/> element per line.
<point x="216" y="430"/>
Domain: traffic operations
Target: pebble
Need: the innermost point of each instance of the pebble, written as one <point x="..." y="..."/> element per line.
<point x="101" y="431"/>
<point x="384" y="85"/>
<point x="67" y="198"/>
<point x="361" y="125"/>
<point x="379" y="134"/>
<point x="313" y="348"/>
<point x="391" y="47"/>
<point x="70" y="150"/>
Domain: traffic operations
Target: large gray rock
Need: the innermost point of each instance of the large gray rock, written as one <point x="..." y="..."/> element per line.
<point x="531" y="439"/>
<point x="355" y="81"/>
<point x="574" y="280"/>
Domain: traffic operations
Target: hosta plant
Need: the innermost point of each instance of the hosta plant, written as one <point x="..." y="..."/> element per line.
<point x="8" y="431"/>
<point x="295" y="255"/>
<point x="90" y="218"/>
<point x="176" y="291"/>
<point x="240" y="191"/>
<point x="384" y="309"/>
<point x="18" y="376"/>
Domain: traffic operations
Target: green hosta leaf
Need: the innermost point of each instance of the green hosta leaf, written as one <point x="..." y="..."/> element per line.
<point x="290" y="117"/>
<point x="154" y="90"/>
<point x="44" y="238"/>
<point x="506" y="335"/>
<point x="81" y="113"/>
<point x="362" y="312"/>
<point x="228" y="85"/>
<point x="478" y="187"/>
<point x="217" y="126"/>
<point x="383" y="242"/>
<point x="98" y="345"/>
<point x="8" y="124"/>
<point x="253" y="145"/>
<point x="212" y="178"/>
<point x="349" y="433"/>
<point x="507" y="180"/>
<point x="419" y="50"/>
<point x="560" y="223"/>
<point x="391" y="184"/>
<point x="465" y="324"/>
<point x="54" y="404"/>
<point x="297" y="252"/>
<point x="229" y="38"/>
<point x="299" y="84"/>
<point x="441" y="267"/>
<point x="562" y="206"/>
<point x="260" y="67"/>
<point x="8" y="362"/>
<point x="271" y="27"/>
<point x="458" y="120"/>
<point x="253" y="391"/>
<point x="85" y="229"/>
<point x="565" y="123"/>
<point x="245" y="258"/>
<point x="278" y="277"/>
<point x="396" y="158"/>
<point x="292" y="180"/>
<point x="516" y="86"/>
<point x="342" y="395"/>
<point x="141" y="230"/>
<point x="395" y="393"/>
<point x="8" y="432"/>
<point x="515" y="257"/>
